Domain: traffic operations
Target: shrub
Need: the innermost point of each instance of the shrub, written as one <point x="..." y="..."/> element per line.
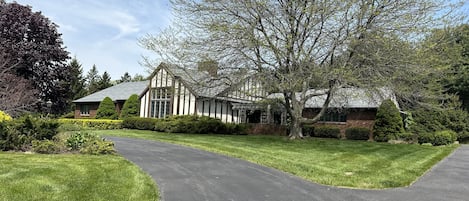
<point x="438" y="138"/>
<point x="98" y="124"/>
<point x="19" y="133"/>
<point x="429" y="121"/>
<point x="4" y="116"/>
<point x="106" y="109"/>
<point x="388" y="123"/>
<point x="308" y="130"/>
<point x="327" y="132"/>
<point x="184" y="124"/>
<point x="444" y="137"/>
<point x="357" y="133"/>
<point x="45" y="147"/>
<point x="139" y="123"/>
<point x="76" y="140"/>
<point x="97" y="147"/>
<point x="131" y="107"/>
<point x="69" y="115"/>
<point x="87" y="143"/>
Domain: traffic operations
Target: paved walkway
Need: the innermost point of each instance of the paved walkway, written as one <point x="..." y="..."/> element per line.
<point x="184" y="173"/>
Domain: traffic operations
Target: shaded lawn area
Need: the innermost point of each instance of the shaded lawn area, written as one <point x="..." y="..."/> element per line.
<point x="72" y="177"/>
<point x="355" y="164"/>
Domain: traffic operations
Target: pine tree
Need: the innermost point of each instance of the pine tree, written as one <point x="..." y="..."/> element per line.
<point x="131" y="107"/>
<point x="92" y="79"/>
<point x="125" y="78"/>
<point x="106" y="109"/>
<point x="105" y="81"/>
<point x="78" y="82"/>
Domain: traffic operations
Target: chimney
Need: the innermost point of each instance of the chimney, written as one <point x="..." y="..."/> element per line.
<point x="209" y="66"/>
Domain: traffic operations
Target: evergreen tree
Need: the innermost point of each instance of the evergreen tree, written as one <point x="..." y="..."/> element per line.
<point x="125" y="78"/>
<point x="92" y="79"/>
<point x="388" y="122"/>
<point x="131" y="107"/>
<point x="106" y="109"/>
<point x="105" y="81"/>
<point x="78" y="82"/>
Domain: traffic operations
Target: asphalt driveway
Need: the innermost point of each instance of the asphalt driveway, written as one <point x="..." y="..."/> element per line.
<point x="184" y="173"/>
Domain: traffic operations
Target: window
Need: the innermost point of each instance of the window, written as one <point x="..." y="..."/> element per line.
<point x="160" y="104"/>
<point x="334" y="116"/>
<point x="84" y="110"/>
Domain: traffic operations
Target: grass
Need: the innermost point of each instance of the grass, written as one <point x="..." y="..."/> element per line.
<point x="72" y="177"/>
<point x="354" y="164"/>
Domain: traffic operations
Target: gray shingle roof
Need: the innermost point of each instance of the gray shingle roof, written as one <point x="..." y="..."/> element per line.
<point x="348" y="98"/>
<point x="121" y="91"/>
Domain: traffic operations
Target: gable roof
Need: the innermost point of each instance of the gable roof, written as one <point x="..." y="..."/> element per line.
<point x="121" y="91"/>
<point x="348" y="98"/>
<point x="200" y="82"/>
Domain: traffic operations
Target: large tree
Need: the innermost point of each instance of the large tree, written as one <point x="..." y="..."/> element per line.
<point x="294" y="46"/>
<point x="447" y="49"/>
<point x="35" y="49"/>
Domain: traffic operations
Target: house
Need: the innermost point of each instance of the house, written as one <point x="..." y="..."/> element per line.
<point x="349" y="107"/>
<point x="87" y="106"/>
<point x="172" y="90"/>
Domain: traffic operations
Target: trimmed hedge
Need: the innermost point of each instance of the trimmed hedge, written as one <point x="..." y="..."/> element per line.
<point x="357" y="133"/>
<point x="438" y="138"/>
<point x="97" y="124"/>
<point x="326" y="132"/>
<point x="139" y="123"/>
<point x="184" y="124"/>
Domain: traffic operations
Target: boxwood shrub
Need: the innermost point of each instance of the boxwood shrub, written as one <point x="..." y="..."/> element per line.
<point x="357" y="133"/>
<point x="308" y="130"/>
<point x="327" y="132"/>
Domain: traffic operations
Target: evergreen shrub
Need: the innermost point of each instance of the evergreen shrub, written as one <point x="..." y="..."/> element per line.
<point x="131" y="107"/>
<point x="106" y="109"/>
<point x="388" y="123"/>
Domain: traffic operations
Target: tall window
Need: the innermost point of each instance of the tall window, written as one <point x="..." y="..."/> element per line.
<point x="84" y="110"/>
<point x="160" y="102"/>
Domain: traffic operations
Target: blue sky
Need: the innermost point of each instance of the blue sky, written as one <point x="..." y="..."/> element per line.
<point x="105" y="32"/>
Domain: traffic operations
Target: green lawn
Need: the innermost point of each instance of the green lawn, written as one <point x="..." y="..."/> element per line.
<point x="72" y="177"/>
<point x="326" y="161"/>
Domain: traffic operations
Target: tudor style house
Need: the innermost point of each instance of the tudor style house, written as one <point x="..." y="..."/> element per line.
<point x="176" y="91"/>
<point x="172" y="90"/>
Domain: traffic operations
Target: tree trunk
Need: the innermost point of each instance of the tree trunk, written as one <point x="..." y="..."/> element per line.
<point x="296" y="131"/>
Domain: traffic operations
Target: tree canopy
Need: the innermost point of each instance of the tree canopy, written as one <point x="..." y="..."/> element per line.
<point x="34" y="48"/>
<point x="294" y="46"/>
